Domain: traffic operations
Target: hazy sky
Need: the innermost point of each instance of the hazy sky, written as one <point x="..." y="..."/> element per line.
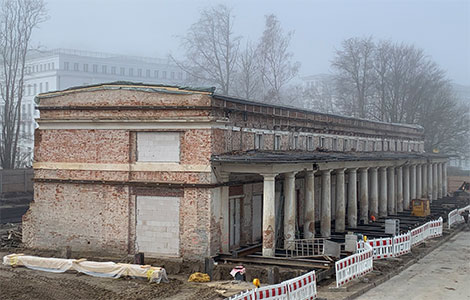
<point x="151" y="28"/>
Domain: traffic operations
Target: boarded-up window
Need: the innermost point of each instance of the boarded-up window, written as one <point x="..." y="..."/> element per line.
<point x="158" y="146"/>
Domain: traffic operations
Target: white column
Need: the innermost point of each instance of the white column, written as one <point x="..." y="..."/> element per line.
<point x="374" y="193"/>
<point x="290" y="206"/>
<point x="444" y="179"/>
<point x="434" y="182"/>
<point x="406" y="187"/>
<point x="269" y="215"/>
<point x="352" y="198"/>
<point x="439" y="180"/>
<point x="419" y="181"/>
<point x="364" y="195"/>
<point x="340" y="217"/>
<point x="309" y="214"/>
<point x="399" y="205"/>
<point x="325" y="204"/>
<point x="430" y="175"/>
<point x="424" y="175"/>
<point x="412" y="183"/>
<point x="391" y="200"/>
<point x="383" y="192"/>
<point x="224" y="214"/>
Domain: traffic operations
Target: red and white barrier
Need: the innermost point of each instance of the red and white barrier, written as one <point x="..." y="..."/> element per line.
<point x="454" y="216"/>
<point x="402" y="244"/>
<point x="435" y="228"/>
<point x="382" y="247"/>
<point x="303" y="287"/>
<point x="417" y="235"/>
<point x="354" y="266"/>
<point x="299" y="288"/>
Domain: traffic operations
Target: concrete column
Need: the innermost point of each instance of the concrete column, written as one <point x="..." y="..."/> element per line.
<point x="419" y="181"/>
<point x="374" y="193"/>
<point x="444" y="179"/>
<point x="352" y="198"/>
<point x="269" y="215"/>
<point x="309" y="209"/>
<point x="364" y="196"/>
<point x="406" y="187"/>
<point x="340" y="217"/>
<point x="399" y="205"/>
<point x="424" y="175"/>
<point x="224" y="214"/>
<point x="430" y="180"/>
<point x="325" y="204"/>
<point x="412" y="182"/>
<point x="439" y="180"/>
<point x="290" y="206"/>
<point x="383" y="192"/>
<point x="391" y="200"/>
<point x="434" y="182"/>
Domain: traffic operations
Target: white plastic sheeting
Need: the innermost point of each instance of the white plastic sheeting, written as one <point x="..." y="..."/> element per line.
<point x="92" y="268"/>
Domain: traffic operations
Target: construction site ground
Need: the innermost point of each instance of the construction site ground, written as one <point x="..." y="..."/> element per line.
<point x="23" y="283"/>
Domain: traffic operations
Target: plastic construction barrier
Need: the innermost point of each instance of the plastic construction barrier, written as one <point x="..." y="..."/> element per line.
<point x="435" y="228"/>
<point x="382" y="247"/>
<point x="417" y="235"/>
<point x="92" y="268"/>
<point x="354" y="266"/>
<point x="299" y="288"/>
<point x="402" y="244"/>
<point x="302" y="287"/>
<point x="454" y="216"/>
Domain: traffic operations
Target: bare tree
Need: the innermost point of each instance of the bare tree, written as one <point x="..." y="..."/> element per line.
<point x="399" y="83"/>
<point x="18" y="18"/>
<point x="248" y="79"/>
<point x="275" y="60"/>
<point x="320" y="94"/>
<point x="354" y="75"/>
<point x="212" y="48"/>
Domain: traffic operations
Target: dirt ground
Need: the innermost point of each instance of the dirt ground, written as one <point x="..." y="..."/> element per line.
<point x="23" y="283"/>
<point x="456" y="181"/>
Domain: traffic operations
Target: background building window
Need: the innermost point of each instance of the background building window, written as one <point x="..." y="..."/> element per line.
<point x="95" y="68"/>
<point x="322" y="142"/>
<point x="277" y="142"/>
<point x="335" y="144"/>
<point x="259" y="141"/>
<point x="113" y="70"/>
<point x="139" y="72"/>
<point x="147" y="73"/>
<point x="164" y="74"/>
<point x="47" y="86"/>
<point x="75" y="66"/>
<point x="295" y="142"/>
<point x="66" y="66"/>
<point x="345" y="145"/>
<point x="104" y="69"/>
<point x="310" y="145"/>
<point x="122" y="71"/>
<point x="155" y="73"/>
<point x="158" y="146"/>
<point x="85" y="67"/>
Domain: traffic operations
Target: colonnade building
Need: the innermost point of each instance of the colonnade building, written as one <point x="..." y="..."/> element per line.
<point x="182" y="172"/>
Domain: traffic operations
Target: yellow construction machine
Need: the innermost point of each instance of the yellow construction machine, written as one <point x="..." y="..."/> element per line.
<point x="420" y="207"/>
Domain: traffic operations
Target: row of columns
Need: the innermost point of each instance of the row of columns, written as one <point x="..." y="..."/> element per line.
<point x="377" y="197"/>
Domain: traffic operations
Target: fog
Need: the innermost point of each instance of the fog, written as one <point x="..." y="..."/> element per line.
<point x="152" y="28"/>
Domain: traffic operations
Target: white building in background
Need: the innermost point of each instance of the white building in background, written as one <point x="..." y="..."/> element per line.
<point x="59" y="69"/>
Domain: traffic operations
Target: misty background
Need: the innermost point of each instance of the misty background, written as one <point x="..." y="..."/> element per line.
<point x="153" y="28"/>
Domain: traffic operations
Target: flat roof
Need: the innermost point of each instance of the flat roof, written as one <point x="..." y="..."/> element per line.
<point x="294" y="156"/>
<point x="176" y="89"/>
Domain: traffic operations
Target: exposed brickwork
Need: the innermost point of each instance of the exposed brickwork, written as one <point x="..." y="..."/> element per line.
<point x="84" y="217"/>
<point x="102" y="217"/>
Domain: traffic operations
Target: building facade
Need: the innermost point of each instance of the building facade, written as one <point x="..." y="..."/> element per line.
<point x="167" y="171"/>
<point x="60" y="69"/>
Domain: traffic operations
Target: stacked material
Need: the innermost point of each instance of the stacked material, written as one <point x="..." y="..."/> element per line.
<point x="92" y="268"/>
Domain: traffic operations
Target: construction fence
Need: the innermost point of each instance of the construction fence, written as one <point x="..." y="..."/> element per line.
<point x="455" y="216"/>
<point x="16" y="181"/>
<point x="356" y="265"/>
